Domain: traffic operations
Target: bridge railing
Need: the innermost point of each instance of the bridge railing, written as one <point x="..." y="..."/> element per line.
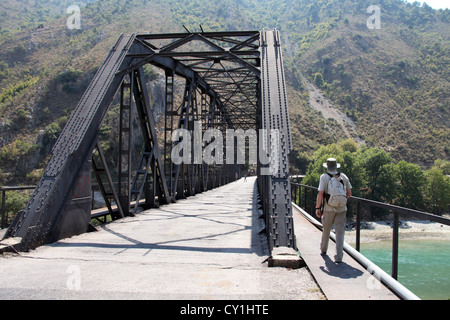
<point x="305" y="197"/>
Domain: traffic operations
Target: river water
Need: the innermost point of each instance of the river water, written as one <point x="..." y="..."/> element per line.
<point x="423" y="265"/>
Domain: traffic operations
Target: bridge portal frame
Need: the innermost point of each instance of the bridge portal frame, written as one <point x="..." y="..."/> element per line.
<point x="233" y="80"/>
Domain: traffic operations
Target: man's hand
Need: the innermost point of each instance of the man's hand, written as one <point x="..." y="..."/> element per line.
<point x="319" y="200"/>
<point x="318" y="213"/>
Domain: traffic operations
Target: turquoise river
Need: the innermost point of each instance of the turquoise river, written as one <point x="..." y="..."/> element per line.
<point x="423" y="265"/>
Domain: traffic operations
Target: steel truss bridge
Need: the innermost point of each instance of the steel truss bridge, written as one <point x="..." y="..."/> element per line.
<point x="228" y="80"/>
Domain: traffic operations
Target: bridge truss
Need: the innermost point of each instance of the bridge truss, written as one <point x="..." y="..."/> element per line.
<point x="213" y="80"/>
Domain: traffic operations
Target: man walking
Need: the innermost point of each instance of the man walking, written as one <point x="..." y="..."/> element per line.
<point x="334" y="190"/>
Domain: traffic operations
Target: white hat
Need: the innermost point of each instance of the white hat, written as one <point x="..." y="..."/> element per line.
<point x="332" y="165"/>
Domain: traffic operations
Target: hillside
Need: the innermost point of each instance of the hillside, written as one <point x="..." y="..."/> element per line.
<point x="393" y="83"/>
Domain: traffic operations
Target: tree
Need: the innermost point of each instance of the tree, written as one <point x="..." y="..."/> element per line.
<point x="318" y="80"/>
<point x="298" y="162"/>
<point x="411" y="181"/>
<point x="437" y="190"/>
<point x="374" y="175"/>
<point x="444" y="165"/>
<point x="346" y="153"/>
<point x="386" y="183"/>
<point x="315" y="168"/>
<point x="351" y="166"/>
<point x="375" y="163"/>
<point x="348" y="145"/>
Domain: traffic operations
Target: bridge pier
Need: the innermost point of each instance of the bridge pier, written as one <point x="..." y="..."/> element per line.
<point x="286" y="257"/>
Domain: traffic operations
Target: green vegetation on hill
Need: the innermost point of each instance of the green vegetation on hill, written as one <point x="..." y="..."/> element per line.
<point x="24" y="14"/>
<point x="393" y="82"/>
<point x="374" y="175"/>
<point x="44" y="71"/>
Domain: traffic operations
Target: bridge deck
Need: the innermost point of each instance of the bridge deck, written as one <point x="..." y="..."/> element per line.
<point x="345" y="281"/>
<point x="204" y="247"/>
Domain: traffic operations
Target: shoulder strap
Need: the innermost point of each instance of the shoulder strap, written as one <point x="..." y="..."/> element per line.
<point x="331" y="175"/>
<point x="340" y="179"/>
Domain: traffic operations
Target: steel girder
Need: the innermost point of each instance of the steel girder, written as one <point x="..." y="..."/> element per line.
<point x="59" y="205"/>
<point x="275" y="186"/>
<point x="232" y="80"/>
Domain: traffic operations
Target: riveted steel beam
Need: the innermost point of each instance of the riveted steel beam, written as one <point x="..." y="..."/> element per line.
<point x="232" y="80"/>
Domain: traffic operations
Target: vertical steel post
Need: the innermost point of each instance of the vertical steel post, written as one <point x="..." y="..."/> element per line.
<point x="106" y="187"/>
<point x="304" y="198"/>
<point x="3" y="208"/>
<point x="293" y="192"/>
<point x="125" y="145"/>
<point x="395" y="246"/>
<point x="358" y="226"/>
<point x="168" y="128"/>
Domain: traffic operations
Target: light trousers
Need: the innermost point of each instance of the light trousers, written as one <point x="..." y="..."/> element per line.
<point x="338" y="219"/>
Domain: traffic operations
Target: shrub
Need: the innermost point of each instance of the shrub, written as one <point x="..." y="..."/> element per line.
<point x="437" y="190"/>
<point x="318" y="80"/>
<point x="15" y="90"/>
<point x="69" y="76"/>
<point x="16" y="201"/>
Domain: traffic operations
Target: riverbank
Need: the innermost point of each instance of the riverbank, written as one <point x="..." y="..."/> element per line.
<point x="412" y="230"/>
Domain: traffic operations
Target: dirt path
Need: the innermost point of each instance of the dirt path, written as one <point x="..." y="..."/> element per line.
<point x="320" y="103"/>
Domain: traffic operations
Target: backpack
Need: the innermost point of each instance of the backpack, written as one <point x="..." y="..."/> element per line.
<point x="336" y="195"/>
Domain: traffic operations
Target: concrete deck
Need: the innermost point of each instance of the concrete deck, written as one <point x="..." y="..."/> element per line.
<point x="339" y="281"/>
<point x="205" y="247"/>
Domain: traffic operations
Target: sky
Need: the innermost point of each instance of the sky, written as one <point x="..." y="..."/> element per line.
<point x="435" y="4"/>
